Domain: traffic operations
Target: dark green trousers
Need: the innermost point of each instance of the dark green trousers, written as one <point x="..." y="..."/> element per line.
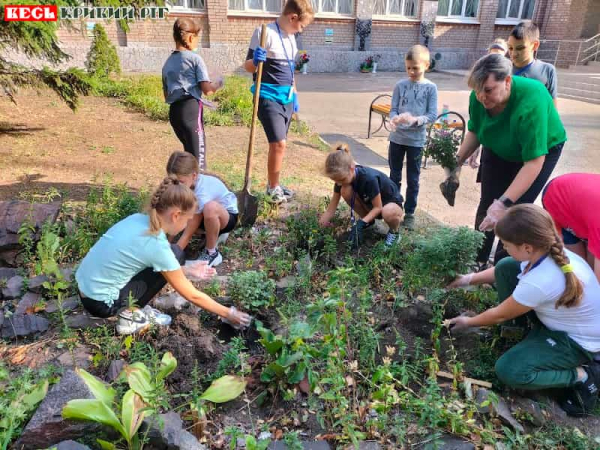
<point x="545" y="358"/>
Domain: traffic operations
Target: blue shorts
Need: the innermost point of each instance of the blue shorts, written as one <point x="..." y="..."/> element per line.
<point x="569" y="238"/>
<point x="275" y="118"/>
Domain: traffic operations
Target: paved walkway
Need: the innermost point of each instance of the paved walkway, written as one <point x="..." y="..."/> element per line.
<point x="337" y="107"/>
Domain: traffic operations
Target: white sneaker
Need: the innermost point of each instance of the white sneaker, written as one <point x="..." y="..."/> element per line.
<point x="132" y="321"/>
<point x="391" y="239"/>
<point x="276" y="194"/>
<point x="156" y="317"/>
<point x="222" y="238"/>
<point x="213" y="259"/>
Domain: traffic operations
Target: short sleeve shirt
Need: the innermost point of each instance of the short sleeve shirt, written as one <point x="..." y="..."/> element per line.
<point x="543" y="72"/>
<point x="181" y="75"/>
<point x="573" y="201"/>
<point x="209" y="188"/>
<point x="526" y="129"/>
<point x="120" y="254"/>
<point x="369" y="183"/>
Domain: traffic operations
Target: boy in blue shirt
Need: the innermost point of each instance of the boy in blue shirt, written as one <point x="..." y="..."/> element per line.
<point x="414" y="105"/>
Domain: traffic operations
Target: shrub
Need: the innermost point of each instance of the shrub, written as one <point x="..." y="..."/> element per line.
<point x="439" y="257"/>
<point x="252" y="290"/>
<point x="102" y="58"/>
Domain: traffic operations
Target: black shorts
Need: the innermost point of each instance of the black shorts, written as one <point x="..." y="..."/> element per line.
<point x="275" y="118"/>
<point x="231" y="223"/>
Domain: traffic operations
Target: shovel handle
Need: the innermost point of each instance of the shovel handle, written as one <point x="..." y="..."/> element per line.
<point x="259" y="71"/>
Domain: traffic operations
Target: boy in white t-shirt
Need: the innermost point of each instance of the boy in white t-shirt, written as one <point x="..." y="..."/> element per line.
<point x="562" y="290"/>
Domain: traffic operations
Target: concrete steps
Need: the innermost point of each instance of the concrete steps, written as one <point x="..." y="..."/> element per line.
<point x="581" y="83"/>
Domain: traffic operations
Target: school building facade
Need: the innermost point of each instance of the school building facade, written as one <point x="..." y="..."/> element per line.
<point x="459" y="31"/>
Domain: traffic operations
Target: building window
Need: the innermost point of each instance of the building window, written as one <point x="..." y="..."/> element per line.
<point x="271" y="6"/>
<point x="190" y="4"/>
<point x="458" y="8"/>
<point x="406" y="8"/>
<point x="515" y="9"/>
<point x="333" y="6"/>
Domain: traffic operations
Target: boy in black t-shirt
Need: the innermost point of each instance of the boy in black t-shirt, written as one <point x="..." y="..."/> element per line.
<point x="370" y="193"/>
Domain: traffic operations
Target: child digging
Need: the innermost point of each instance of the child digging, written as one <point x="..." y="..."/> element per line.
<point x="414" y="105"/>
<point x="134" y="259"/>
<point x="185" y="78"/>
<point x="278" y="98"/>
<point x="217" y="211"/>
<point x="564" y="295"/>
<point x="370" y="193"/>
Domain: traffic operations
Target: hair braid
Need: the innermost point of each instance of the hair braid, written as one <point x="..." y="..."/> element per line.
<point x="573" y="288"/>
<point x="168" y="181"/>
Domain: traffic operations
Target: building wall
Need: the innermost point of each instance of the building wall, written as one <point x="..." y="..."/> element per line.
<point x="225" y="36"/>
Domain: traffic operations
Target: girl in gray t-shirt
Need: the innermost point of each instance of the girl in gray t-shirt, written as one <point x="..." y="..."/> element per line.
<point x="185" y="78"/>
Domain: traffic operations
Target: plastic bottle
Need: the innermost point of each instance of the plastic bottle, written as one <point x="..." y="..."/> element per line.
<point x="445" y="110"/>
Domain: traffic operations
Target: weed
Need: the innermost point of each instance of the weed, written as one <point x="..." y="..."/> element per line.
<point x="107" y="150"/>
<point x="233" y="361"/>
<point x="292" y="441"/>
<point x="251" y="290"/>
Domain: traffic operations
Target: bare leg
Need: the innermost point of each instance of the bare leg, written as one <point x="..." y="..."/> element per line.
<point x="275" y="162"/>
<point x="392" y="215"/>
<point x="215" y="219"/>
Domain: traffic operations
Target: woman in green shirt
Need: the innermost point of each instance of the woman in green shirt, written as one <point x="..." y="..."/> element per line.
<point x="516" y="122"/>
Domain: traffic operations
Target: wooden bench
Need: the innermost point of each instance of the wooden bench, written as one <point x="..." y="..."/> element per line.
<point x="383" y="109"/>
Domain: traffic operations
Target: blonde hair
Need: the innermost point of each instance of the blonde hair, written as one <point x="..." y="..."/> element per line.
<point x="339" y="162"/>
<point x="303" y="8"/>
<point x="184" y="26"/>
<point x="530" y="224"/>
<point x="170" y="193"/>
<point x="418" y="53"/>
<point x="499" y="44"/>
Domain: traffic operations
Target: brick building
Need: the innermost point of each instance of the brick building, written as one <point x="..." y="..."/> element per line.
<point x="463" y="30"/>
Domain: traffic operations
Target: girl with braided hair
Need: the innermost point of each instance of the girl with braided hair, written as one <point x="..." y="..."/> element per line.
<point x="134" y="260"/>
<point x="564" y="294"/>
<point x="185" y="78"/>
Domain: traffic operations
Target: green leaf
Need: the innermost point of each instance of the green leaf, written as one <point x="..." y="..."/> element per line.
<point x="288" y="360"/>
<point x="272" y="347"/>
<point x="133" y="413"/>
<point x="298" y="374"/>
<point x="139" y="379"/>
<point x="104" y="445"/>
<point x="300" y="330"/>
<point x="98" y="388"/>
<point x="93" y="410"/>
<point x="35" y="396"/>
<point x="167" y="365"/>
<point x="224" y="389"/>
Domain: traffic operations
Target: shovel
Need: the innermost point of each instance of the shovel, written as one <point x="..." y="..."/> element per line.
<point x="248" y="203"/>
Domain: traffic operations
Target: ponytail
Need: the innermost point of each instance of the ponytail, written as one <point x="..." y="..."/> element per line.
<point x="339" y="161"/>
<point x="530" y="224"/>
<point x="573" y="288"/>
<point x="170" y="193"/>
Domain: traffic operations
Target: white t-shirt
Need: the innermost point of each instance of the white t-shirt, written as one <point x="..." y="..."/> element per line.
<point x="209" y="188"/>
<point x="541" y="287"/>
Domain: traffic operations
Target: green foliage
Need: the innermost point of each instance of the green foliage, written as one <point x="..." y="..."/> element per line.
<point x="234" y="359"/>
<point x="27" y="237"/>
<point x="305" y="235"/>
<point x="103" y="60"/>
<point x="252" y="290"/>
<point x="20" y="396"/>
<point x="234" y="103"/>
<point x="105" y="206"/>
<point x="443" y="144"/>
<point x="440" y="257"/>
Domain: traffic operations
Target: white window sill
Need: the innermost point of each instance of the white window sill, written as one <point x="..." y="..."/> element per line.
<point x="508" y="21"/>
<point x="199" y="12"/>
<point x="333" y="16"/>
<point x="232" y="13"/>
<point x="463" y="20"/>
<point x="392" y="18"/>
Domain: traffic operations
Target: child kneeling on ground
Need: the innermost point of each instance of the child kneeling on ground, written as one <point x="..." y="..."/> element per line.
<point x="217" y="211"/>
<point x="560" y="287"/>
<point x="134" y="260"/>
<point x="369" y="192"/>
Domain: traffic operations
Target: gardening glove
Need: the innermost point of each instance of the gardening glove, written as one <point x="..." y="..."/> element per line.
<point x="260" y="55"/>
<point x="357" y="232"/>
<point x="200" y="270"/>
<point x="461" y="281"/>
<point x="457" y="323"/>
<point x="296" y="104"/>
<point x="494" y="213"/>
<point x="237" y="319"/>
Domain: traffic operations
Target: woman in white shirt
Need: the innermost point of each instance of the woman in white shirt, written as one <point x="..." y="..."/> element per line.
<point x="559" y="286"/>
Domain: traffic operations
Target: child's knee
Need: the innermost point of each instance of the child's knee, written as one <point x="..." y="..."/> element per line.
<point x="391" y="211"/>
<point x="211" y="209"/>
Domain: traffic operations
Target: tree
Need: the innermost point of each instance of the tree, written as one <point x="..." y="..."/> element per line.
<point x="38" y="40"/>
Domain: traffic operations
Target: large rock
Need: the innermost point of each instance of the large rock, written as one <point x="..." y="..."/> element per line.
<point x="306" y="445"/>
<point x="23" y="325"/>
<point x="47" y="427"/>
<point x="36" y="284"/>
<point x="168" y="433"/>
<point x="13" y="288"/>
<point x="6" y="273"/>
<point x="12" y="214"/>
<point x="27" y="303"/>
<point x="84" y="320"/>
<point x="68" y="304"/>
<point x="70" y="445"/>
<point x="499" y="409"/>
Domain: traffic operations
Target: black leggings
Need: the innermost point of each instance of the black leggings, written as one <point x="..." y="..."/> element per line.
<point x="496" y="176"/>
<point x="143" y="287"/>
<point x="187" y="119"/>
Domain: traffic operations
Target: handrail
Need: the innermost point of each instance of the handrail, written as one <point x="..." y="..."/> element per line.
<point x="584" y="52"/>
<point x="592" y="38"/>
